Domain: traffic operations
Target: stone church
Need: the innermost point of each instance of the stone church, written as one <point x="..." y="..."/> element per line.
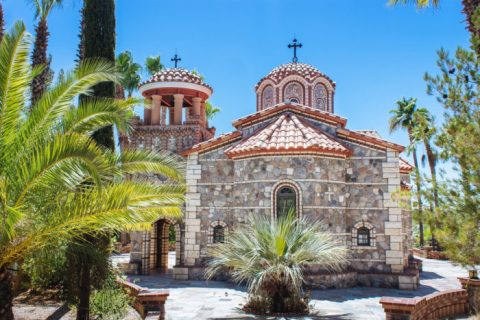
<point x="293" y="152"/>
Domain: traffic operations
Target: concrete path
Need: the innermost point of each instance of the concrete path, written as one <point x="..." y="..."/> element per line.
<point x="220" y="300"/>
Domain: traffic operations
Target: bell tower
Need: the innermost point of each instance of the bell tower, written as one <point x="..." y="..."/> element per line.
<point x="175" y="120"/>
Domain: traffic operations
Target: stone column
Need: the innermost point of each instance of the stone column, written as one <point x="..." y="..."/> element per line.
<point x="178" y="109"/>
<point x="147" y="116"/>
<point x="203" y="115"/>
<point x="197" y="103"/>
<point x="163" y="115"/>
<point x="157" y="102"/>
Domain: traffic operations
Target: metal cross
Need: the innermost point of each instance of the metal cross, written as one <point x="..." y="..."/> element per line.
<point x="295" y="46"/>
<point x="176" y="58"/>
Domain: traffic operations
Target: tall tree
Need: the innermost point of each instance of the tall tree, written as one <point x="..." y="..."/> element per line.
<point x="97" y="40"/>
<point x="457" y="88"/>
<point x="424" y="131"/>
<point x="40" y="58"/>
<point x="211" y="111"/>
<point x="130" y="71"/>
<point x="403" y="118"/>
<point x="55" y="182"/>
<point x="153" y="65"/>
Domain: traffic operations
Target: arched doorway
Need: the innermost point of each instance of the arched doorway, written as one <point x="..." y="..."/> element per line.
<point x="167" y="246"/>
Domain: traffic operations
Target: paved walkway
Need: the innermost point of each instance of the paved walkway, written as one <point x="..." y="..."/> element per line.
<point x="220" y="300"/>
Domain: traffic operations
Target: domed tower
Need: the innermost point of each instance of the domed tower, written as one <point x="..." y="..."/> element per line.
<point x="298" y="83"/>
<point x="176" y="119"/>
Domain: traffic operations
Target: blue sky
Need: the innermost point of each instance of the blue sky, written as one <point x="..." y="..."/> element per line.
<point x="375" y="53"/>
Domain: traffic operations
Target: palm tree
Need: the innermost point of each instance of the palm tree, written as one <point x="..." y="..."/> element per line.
<point x="43" y="8"/>
<point x="270" y="256"/>
<point x="403" y="118"/>
<point x="153" y="65"/>
<point x="211" y="111"/>
<point x="130" y="72"/>
<point x="55" y="181"/>
<point x="424" y="131"/>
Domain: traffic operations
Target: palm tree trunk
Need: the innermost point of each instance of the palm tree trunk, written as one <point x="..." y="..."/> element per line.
<point x="83" y="311"/>
<point x="39" y="58"/>
<point x="418" y="185"/>
<point x="6" y="295"/>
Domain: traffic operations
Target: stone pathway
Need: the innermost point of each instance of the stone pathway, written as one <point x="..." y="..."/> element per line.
<point x="220" y="300"/>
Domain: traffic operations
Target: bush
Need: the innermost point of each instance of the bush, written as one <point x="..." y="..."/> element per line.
<point x="46" y="268"/>
<point x="110" y="302"/>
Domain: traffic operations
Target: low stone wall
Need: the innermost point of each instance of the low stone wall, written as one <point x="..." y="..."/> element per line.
<point x="473" y="288"/>
<point x="408" y="280"/>
<point x="428" y="253"/>
<point x="434" y="306"/>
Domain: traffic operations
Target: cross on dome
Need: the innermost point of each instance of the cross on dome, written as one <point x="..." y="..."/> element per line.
<point x="295" y="45"/>
<point x="176" y="59"/>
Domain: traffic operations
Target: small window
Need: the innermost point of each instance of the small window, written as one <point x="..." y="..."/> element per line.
<point x="363" y="237"/>
<point x="218" y="234"/>
<point x="286" y="201"/>
<point x="294" y="100"/>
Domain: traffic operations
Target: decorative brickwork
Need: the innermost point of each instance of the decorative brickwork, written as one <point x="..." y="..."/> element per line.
<point x="212" y="227"/>
<point x="372" y="235"/>
<point x="439" y="305"/>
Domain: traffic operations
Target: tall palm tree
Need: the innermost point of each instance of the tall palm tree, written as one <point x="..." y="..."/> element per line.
<point x="55" y="181"/>
<point x="130" y="72"/>
<point x="424" y="131"/>
<point x="153" y="65"/>
<point x="403" y="118"/>
<point x="40" y="58"/>
<point x="270" y="256"/>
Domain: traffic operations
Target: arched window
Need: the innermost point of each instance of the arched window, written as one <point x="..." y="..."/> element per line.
<point x="218" y="234"/>
<point x="363" y="237"/>
<point x="267" y="97"/>
<point x="293" y="90"/>
<point x="320" y="97"/>
<point x="286" y="201"/>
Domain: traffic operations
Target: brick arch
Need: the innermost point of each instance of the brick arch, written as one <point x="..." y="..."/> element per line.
<point x="370" y="227"/>
<point x="159" y="244"/>
<point x="294" y="78"/>
<point x="330" y="92"/>
<point x="277" y="187"/>
<point x="265" y="83"/>
<point x="211" y="228"/>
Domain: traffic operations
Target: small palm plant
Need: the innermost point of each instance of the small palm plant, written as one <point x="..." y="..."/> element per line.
<point x="271" y="256"/>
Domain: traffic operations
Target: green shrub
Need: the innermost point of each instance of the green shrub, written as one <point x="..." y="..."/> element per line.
<point x="109" y="303"/>
<point x="46" y="268"/>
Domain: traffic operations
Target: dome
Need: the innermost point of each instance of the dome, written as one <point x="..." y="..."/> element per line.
<point x="177" y="75"/>
<point x="297" y="83"/>
<point x="306" y="71"/>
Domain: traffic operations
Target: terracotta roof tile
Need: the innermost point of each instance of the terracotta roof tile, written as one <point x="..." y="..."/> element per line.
<point x="176" y="75"/>
<point x="288" y="134"/>
<point x="368" y="139"/>
<point x="212" y="143"/>
<point x="405" y="167"/>
<point x="293" y="107"/>
<point x="306" y="71"/>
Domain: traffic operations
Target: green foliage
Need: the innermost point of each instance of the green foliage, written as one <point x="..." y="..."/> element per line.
<point x="419" y="3"/>
<point x="457" y="89"/>
<point x="46" y="268"/>
<point x="109" y="303"/>
<point x="153" y="65"/>
<point x="270" y="257"/>
<point x="130" y="72"/>
<point x="211" y="111"/>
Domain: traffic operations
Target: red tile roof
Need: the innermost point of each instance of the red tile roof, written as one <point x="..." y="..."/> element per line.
<point x="212" y="143"/>
<point x="306" y="71"/>
<point x="405" y="167"/>
<point x="294" y="108"/>
<point x="368" y="140"/>
<point x="177" y="75"/>
<point x="288" y="134"/>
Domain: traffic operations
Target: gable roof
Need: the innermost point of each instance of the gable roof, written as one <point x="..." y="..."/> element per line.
<point x="405" y="167"/>
<point x="213" y="143"/>
<point x="288" y="135"/>
<point x="308" y="112"/>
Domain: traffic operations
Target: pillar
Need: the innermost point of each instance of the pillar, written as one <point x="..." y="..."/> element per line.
<point x="178" y="109"/>
<point x="163" y="115"/>
<point x="197" y="102"/>
<point x="147" y="116"/>
<point x="157" y="102"/>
